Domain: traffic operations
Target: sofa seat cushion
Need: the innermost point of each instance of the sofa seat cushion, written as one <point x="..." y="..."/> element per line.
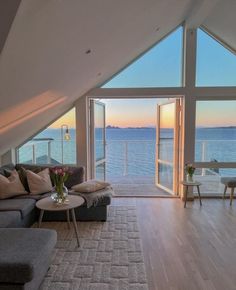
<point x="35" y="197"/>
<point x="10" y="219"/>
<point x="23" y="253"/>
<point x="24" y="206"/>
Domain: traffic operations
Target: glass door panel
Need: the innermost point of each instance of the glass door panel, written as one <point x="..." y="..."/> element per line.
<point x="98" y="139"/>
<point x="167" y="146"/>
<point x="99" y="127"/>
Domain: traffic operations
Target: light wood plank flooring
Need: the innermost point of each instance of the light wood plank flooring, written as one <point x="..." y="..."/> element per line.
<point x="192" y="248"/>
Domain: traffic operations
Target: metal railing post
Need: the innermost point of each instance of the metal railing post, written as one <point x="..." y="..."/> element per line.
<point x="203" y="156"/>
<point x="49" y="153"/>
<point x="126" y="158"/>
<point x="33" y="154"/>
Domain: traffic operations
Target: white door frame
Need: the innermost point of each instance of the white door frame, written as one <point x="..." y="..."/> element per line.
<point x="176" y="147"/>
<point x="92" y="147"/>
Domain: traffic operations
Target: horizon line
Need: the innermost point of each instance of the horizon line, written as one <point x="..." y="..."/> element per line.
<point x="148" y="127"/>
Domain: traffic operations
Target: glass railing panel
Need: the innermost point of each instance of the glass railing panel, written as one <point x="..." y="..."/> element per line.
<point x="48" y="152"/>
<point x="41" y="152"/>
<point x="130" y="158"/>
<point x="215" y="150"/>
<point x="165" y="173"/>
<point x="100" y="171"/>
<point x="25" y="154"/>
<point x="166" y="147"/>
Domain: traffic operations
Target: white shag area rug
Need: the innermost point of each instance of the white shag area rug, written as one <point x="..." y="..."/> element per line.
<point x="109" y="258"/>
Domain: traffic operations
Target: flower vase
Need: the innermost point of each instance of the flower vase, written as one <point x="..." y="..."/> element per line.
<point x="190" y="178"/>
<point x="59" y="194"/>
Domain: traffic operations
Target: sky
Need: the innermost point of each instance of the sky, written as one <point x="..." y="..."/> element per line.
<point x="68" y="119"/>
<point x="161" y="67"/>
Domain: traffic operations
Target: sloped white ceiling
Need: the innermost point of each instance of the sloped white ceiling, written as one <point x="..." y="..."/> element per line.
<point x="222" y="22"/>
<point x="45" y="54"/>
<point x="44" y="66"/>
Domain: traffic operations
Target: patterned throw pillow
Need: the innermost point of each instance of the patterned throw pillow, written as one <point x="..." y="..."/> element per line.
<point x="90" y="186"/>
<point x="11" y="186"/>
<point x="39" y="182"/>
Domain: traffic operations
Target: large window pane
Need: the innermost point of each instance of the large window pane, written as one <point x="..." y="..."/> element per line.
<point x="166" y="175"/>
<point x="210" y="179"/>
<point x="161" y="66"/>
<point x="216" y="65"/>
<point x="99" y="124"/>
<point x="215" y="131"/>
<point x="53" y="145"/>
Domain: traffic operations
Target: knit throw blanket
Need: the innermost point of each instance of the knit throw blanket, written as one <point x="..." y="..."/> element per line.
<point x="93" y="198"/>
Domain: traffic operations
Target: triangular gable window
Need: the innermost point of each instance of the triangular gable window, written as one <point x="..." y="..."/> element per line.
<point x="216" y="65"/>
<point x="161" y="66"/>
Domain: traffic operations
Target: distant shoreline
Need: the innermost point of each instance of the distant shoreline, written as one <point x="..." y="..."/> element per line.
<point x="120" y="128"/>
<point x="221" y="127"/>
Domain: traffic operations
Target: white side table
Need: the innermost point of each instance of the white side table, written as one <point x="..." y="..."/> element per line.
<point x="187" y="185"/>
<point x="47" y="204"/>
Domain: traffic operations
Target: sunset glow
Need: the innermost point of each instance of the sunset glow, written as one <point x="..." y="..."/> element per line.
<point x="68" y="119"/>
<point x="131" y="112"/>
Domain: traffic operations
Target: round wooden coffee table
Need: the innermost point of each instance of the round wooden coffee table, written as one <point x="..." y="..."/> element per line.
<point x="47" y="204"/>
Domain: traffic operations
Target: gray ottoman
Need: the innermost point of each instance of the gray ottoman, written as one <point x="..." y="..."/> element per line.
<point x="25" y="257"/>
<point x="231" y="183"/>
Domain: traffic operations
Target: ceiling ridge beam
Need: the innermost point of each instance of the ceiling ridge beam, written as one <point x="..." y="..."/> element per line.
<point x="8" y="10"/>
<point x="199" y="12"/>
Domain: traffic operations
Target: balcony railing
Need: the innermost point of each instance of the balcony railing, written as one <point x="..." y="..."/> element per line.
<point x="130" y="158"/>
<point x="127" y="157"/>
<point x="47" y="151"/>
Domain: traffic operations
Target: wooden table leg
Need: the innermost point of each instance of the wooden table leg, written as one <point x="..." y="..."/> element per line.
<point x="75" y="226"/>
<point x="186" y="195"/>
<point x="231" y="195"/>
<point x="224" y="192"/>
<point x="40" y="218"/>
<point x="68" y="218"/>
<point x="198" y="191"/>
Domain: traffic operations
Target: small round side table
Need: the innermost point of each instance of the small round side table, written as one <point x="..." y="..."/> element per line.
<point x="189" y="184"/>
<point x="47" y="204"/>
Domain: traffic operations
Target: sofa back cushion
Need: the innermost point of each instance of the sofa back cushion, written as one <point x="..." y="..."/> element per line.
<point x="11" y="186"/>
<point x="77" y="173"/>
<point x="76" y="176"/>
<point x="39" y="182"/>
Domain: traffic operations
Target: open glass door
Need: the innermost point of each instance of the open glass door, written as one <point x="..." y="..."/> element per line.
<point x="98" y="139"/>
<point x="167" y="146"/>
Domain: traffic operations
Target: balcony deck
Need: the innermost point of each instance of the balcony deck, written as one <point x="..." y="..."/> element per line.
<point x="136" y="186"/>
<point x="145" y="186"/>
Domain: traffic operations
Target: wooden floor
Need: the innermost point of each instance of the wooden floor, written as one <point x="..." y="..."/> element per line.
<point x="192" y="248"/>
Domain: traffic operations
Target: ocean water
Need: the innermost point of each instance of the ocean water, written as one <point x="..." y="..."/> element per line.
<point x="131" y="151"/>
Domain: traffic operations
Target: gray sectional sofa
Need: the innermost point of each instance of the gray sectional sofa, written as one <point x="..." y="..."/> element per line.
<point x="25" y="256"/>
<point x="21" y="211"/>
<point x="25" y="253"/>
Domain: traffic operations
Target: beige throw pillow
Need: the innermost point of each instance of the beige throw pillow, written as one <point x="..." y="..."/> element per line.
<point x="90" y="186"/>
<point x="39" y="182"/>
<point x="11" y="186"/>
